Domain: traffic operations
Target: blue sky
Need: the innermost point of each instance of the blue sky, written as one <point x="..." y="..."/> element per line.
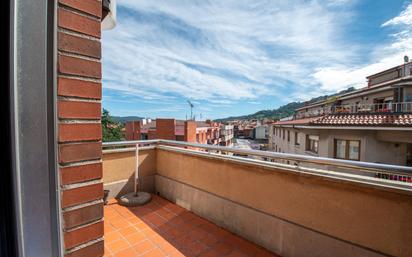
<point x="237" y="57"/>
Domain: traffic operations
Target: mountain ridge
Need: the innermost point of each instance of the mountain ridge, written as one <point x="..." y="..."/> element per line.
<point x="284" y="110"/>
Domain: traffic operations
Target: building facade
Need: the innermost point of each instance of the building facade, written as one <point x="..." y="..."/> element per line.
<point x="202" y="132"/>
<point x="226" y="135"/>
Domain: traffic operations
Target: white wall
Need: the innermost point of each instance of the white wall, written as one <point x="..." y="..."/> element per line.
<point x="376" y="146"/>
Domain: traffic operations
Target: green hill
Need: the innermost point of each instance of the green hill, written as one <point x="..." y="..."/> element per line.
<point x="123" y="119"/>
<point x="284" y="110"/>
<point x="281" y="112"/>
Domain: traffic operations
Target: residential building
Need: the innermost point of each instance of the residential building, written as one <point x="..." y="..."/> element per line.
<point x="203" y="132"/>
<point x="261" y="132"/>
<point x="226" y="135"/>
<point x="372" y="124"/>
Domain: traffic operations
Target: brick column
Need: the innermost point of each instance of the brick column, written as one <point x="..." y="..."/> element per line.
<point x="190" y="131"/>
<point x="79" y="126"/>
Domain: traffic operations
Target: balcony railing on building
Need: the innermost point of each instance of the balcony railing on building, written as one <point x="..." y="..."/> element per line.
<point x="382" y="108"/>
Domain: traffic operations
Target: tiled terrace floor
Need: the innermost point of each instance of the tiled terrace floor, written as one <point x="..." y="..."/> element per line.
<point x="161" y="228"/>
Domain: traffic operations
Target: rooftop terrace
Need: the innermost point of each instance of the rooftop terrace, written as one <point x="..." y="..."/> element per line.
<point x="221" y="203"/>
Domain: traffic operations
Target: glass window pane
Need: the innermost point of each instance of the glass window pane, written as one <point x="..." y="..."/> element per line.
<point x="340" y="149"/>
<point x="354" y="150"/>
<point x="316" y="146"/>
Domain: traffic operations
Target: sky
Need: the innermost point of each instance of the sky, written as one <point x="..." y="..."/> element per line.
<point x="236" y="57"/>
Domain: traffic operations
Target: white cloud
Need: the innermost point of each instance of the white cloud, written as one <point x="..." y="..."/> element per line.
<point x="229" y="52"/>
<point x="338" y="77"/>
<point x="222" y="51"/>
<point x="404" y="18"/>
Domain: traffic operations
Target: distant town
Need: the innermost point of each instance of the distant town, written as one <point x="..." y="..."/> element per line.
<point x="370" y="124"/>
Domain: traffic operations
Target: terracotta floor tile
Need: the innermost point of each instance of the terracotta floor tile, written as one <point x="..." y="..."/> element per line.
<point x="141" y="226"/>
<point x="233" y="240"/>
<point x="187" y="227"/>
<point x="183" y="241"/>
<point x="107" y="252"/>
<point x="117" y="246"/>
<point x="127" y="214"/>
<point x="167" y="247"/>
<point x="148" y="232"/>
<point x="198" y="233"/>
<point x="247" y="247"/>
<point x="196" y="248"/>
<point x="108" y="228"/>
<point x="210" y="253"/>
<point x="135" y="238"/>
<point x="129" y="252"/>
<point x="111" y="237"/>
<point x="134" y="220"/>
<point x="237" y="253"/>
<point x="143" y="247"/>
<point x="175" y="233"/>
<point x="208" y="227"/>
<point x="128" y="231"/>
<point x="154" y="253"/>
<point x="119" y="223"/>
<point x="157" y="240"/>
<point x="222" y="248"/>
<point x="174" y="208"/>
<point x="176" y="254"/>
<point x="264" y="253"/>
<point x="210" y="240"/>
<point x="155" y="219"/>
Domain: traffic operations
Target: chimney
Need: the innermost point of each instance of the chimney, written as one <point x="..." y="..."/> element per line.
<point x="190" y="131"/>
<point x="165" y="129"/>
<point x="133" y="130"/>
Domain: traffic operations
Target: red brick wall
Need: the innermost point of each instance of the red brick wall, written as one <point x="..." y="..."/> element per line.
<point x="133" y="130"/>
<point x="165" y="129"/>
<point x="190" y="131"/>
<point x="79" y="92"/>
<point x="151" y="134"/>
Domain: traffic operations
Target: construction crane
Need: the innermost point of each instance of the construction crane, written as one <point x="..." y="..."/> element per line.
<point x="191" y="109"/>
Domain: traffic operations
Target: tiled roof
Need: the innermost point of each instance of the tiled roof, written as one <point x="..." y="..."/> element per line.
<point x="386" y="120"/>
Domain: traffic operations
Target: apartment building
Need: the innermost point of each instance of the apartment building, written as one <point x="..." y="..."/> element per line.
<point x="203" y="132"/>
<point x="261" y="132"/>
<point x="226" y="135"/>
<point x="372" y="124"/>
<point x="246" y="128"/>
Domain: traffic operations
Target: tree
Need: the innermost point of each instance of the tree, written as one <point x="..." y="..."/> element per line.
<point x="111" y="130"/>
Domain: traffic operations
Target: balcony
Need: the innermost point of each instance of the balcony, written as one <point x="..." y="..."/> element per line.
<point x="404" y="107"/>
<point x="275" y="203"/>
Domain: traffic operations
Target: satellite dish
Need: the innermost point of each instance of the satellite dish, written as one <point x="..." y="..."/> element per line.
<point x="406" y="58"/>
<point x="109" y="14"/>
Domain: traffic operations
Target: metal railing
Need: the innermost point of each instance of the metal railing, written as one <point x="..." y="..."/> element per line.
<point x="353" y="169"/>
<point x="403" y="107"/>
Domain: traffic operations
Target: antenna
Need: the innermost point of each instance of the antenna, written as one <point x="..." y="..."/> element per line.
<point x="191" y="109"/>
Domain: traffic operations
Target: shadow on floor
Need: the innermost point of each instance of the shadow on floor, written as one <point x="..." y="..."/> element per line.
<point x="161" y="228"/>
